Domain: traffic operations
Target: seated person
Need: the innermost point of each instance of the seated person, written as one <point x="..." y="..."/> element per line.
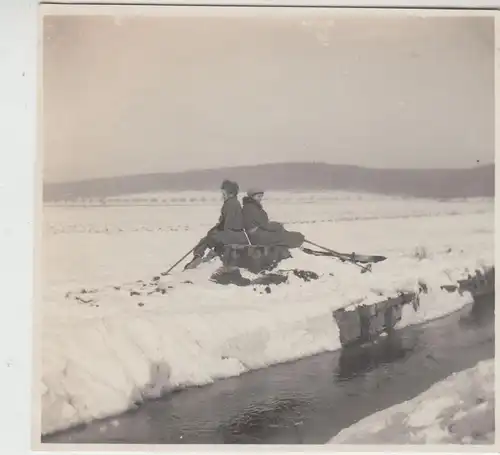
<point x="260" y="230"/>
<point x="228" y="230"/>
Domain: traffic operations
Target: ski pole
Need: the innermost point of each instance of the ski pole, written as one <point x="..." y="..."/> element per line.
<point x="335" y="253"/>
<point x="344" y="257"/>
<point x="178" y="262"/>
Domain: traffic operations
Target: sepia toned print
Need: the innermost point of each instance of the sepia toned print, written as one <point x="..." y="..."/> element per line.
<point x="267" y="226"/>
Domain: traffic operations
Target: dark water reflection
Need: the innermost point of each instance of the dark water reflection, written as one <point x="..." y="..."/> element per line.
<point x="310" y="400"/>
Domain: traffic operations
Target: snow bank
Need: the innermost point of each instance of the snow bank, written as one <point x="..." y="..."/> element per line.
<point x="98" y="365"/>
<point x="457" y="410"/>
<point x="102" y="358"/>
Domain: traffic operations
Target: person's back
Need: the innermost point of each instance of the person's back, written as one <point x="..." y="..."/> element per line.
<point x="254" y="215"/>
<point x="231" y="215"/>
<point x="262" y="231"/>
<point x="229" y="228"/>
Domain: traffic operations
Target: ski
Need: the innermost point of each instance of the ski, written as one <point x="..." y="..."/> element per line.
<point x="353" y="257"/>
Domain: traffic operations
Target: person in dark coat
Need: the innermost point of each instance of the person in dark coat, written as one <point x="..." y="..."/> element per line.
<point x="260" y="230"/>
<point x="229" y="228"/>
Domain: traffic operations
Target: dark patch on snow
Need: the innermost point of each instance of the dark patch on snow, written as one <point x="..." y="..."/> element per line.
<point x="305" y="275"/>
<point x="88" y="291"/>
<point x="270" y="278"/>
<point x="422" y="287"/>
<point x="84" y="300"/>
<point x="230" y="277"/>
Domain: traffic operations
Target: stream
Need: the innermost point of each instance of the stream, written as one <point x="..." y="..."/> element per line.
<point x="310" y="400"/>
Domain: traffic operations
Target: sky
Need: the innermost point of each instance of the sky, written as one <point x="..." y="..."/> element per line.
<point x="133" y="95"/>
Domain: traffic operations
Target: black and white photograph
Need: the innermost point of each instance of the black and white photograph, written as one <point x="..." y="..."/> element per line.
<point x="266" y="226"/>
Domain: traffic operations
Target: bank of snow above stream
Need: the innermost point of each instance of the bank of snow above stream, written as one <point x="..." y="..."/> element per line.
<point x="104" y="359"/>
<point x="457" y="410"/>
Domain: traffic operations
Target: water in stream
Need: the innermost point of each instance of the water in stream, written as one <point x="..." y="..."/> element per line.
<point x="310" y="400"/>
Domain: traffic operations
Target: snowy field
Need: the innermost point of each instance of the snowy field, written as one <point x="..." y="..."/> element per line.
<point x="102" y="358"/>
<point x="458" y="410"/>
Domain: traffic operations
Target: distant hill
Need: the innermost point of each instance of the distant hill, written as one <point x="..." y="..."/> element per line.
<point x="429" y="183"/>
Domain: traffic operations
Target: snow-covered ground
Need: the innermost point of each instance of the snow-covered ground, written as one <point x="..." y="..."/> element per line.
<point x="457" y="410"/>
<point x="100" y="358"/>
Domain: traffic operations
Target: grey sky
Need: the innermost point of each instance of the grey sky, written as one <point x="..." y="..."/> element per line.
<point x="141" y="95"/>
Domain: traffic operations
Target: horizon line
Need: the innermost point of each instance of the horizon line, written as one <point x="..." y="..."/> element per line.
<point x="303" y="163"/>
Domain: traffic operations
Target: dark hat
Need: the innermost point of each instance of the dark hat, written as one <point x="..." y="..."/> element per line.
<point x="230" y="187"/>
